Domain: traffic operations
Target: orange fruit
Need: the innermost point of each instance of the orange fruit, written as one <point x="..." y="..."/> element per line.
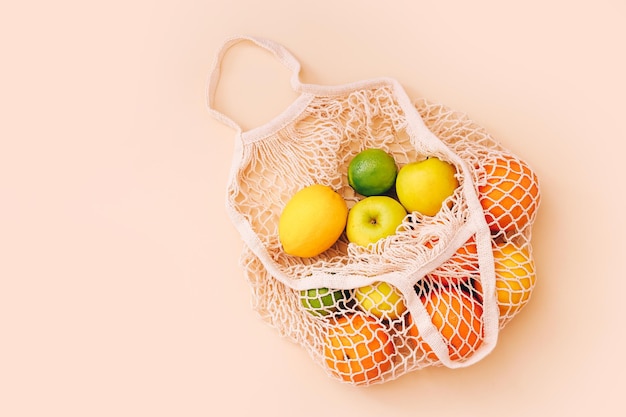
<point x="459" y="267"/>
<point x="415" y="340"/>
<point x="458" y="317"/>
<point x="474" y="288"/>
<point x="510" y="195"/>
<point x="358" y="348"/>
<point x="466" y="257"/>
<point x="515" y="278"/>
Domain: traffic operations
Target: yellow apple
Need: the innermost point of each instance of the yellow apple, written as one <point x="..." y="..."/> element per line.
<point x="374" y="218"/>
<point x="423" y="186"/>
<point x="381" y="299"/>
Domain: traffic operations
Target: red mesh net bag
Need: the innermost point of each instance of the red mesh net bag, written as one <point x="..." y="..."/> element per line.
<point x="435" y="292"/>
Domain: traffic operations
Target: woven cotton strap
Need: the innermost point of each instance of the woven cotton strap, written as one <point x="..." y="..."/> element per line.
<point x="280" y="52"/>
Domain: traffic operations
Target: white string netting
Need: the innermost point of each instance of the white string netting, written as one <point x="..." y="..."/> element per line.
<point x="434" y="294"/>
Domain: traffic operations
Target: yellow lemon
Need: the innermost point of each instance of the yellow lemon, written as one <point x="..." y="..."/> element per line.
<point x="423" y="186"/>
<point x="372" y="172"/>
<point x="312" y="221"/>
<point x="515" y="277"/>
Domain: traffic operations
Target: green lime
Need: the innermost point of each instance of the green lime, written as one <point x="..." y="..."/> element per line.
<point x="321" y="301"/>
<point x="372" y="172"/>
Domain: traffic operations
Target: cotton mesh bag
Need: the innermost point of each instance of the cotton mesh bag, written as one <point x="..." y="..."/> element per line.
<point x="437" y="291"/>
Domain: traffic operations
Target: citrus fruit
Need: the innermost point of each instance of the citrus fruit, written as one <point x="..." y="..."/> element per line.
<point x="312" y="221"/>
<point x="415" y="341"/>
<point x="460" y="266"/>
<point x="372" y="172"/>
<point x="515" y="278"/>
<point x="381" y="300"/>
<point x="510" y="194"/>
<point x="458" y="317"/>
<point x="466" y="257"/>
<point x="423" y="186"/>
<point x="321" y="301"/>
<point x="358" y="349"/>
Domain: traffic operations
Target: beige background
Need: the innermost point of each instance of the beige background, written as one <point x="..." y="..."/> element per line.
<point x="120" y="289"/>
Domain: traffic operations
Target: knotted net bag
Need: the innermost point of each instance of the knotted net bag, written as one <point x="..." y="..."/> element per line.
<point x="435" y="293"/>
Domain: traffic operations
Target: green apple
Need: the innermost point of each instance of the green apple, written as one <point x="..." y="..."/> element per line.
<point x="423" y="186"/>
<point x="322" y="301"/>
<point x="374" y="218"/>
<point x="381" y="299"/>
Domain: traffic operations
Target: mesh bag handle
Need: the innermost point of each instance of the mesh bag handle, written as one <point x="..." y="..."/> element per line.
<point x="280" y="52"/>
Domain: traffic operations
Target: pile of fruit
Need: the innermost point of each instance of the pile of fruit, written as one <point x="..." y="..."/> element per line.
<point x="358" y="344"/>
<point x="420" y="186"/>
